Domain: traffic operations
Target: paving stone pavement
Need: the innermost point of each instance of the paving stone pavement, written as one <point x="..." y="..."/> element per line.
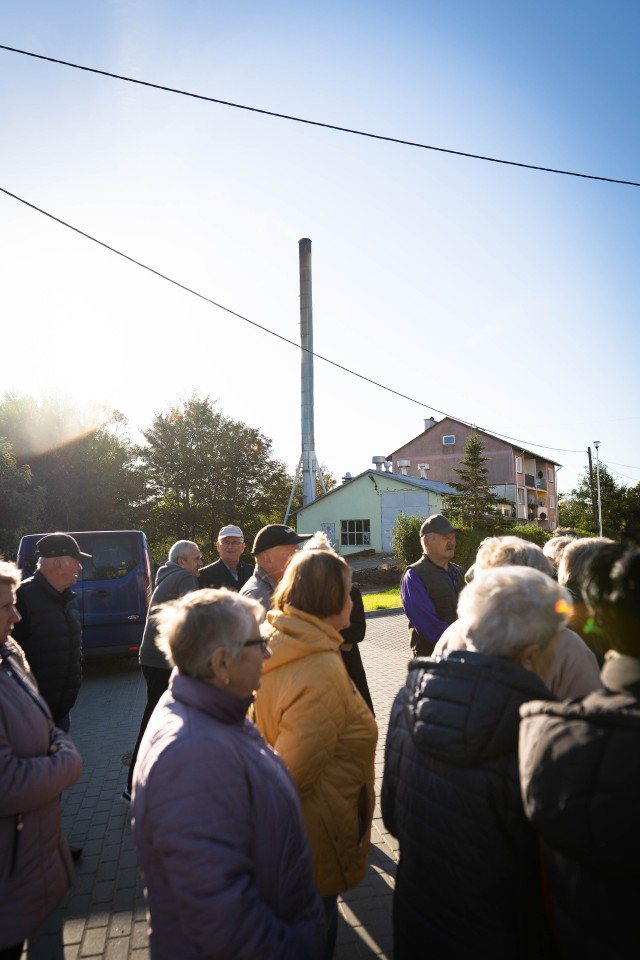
<point x="103" y="915"/>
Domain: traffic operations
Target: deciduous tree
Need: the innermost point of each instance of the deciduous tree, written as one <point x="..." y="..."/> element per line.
<point x="203" y="470"/>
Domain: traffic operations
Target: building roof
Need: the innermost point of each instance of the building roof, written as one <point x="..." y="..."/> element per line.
<point x="429" y="485"/>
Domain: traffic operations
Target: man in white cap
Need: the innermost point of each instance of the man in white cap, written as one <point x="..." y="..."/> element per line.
<point x="430" y="588"/>
<point x="273" y="548"/>
<point x="228" y="571"/>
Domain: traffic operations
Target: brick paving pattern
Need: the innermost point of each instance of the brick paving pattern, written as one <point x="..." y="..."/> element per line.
<point x="103" y="914"/>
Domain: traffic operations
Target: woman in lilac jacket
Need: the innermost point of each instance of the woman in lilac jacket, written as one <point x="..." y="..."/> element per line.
<point x="37" y="762"/>
<point x="216" y="817"/>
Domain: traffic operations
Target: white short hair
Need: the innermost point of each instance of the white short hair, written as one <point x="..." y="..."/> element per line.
<point x="504" y="609"/>
<point x="319" y="541"/>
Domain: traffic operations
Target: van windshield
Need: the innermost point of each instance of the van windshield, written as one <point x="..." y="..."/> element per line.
<point x="113" y="555"/>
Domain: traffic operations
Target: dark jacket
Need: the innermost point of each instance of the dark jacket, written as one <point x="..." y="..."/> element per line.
<point x="220" y="836"/>
<point x="50" y="633"/>
<point x="580" y="771"/>
<point x="444" y="588"/>
<point x="354" y="634"/>
<point x="35" y="865"/>
<point x="172" y="581"/>
<point x="218" y="575"/>
<point x="468" y="880"/>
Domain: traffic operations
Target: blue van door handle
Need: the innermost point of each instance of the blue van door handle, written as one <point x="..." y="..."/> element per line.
<point x="99" y="593"/>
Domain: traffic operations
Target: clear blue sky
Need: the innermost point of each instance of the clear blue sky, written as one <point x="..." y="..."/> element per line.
<point x="502" y="296"/>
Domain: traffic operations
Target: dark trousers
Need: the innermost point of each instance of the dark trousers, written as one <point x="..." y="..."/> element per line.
<point x="330" y="905"/>
<point x="157" y="679"/>
<point x="12" y="953"/>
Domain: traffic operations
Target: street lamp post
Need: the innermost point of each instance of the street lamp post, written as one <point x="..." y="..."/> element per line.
<point x="596" y="444"/>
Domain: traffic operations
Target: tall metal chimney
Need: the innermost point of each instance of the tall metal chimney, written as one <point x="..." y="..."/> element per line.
<point x="309" y="468"/>
<point x="308" y="463"/>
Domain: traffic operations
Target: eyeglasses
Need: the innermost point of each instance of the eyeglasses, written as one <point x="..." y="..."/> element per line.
<point x="263" y="644"/>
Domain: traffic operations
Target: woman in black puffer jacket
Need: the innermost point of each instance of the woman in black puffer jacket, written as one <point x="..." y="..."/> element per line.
<point x="468" y="883"/>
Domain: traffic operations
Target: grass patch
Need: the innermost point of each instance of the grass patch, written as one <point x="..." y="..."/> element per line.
<point x="382" y="599"/>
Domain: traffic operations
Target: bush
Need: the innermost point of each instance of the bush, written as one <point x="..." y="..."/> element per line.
<point x="533" y="534"/>
<point x="405" y="536"/>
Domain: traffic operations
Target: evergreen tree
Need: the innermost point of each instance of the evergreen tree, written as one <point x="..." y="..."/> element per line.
<point x="475" y="498"/>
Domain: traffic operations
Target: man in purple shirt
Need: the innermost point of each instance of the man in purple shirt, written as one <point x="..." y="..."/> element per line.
<point x="430" y="587"/>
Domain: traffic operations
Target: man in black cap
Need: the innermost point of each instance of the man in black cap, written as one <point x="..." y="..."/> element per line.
<point x="430" y="588"/>
<point x="50" y="632"/>
<point x="273" y="548"/>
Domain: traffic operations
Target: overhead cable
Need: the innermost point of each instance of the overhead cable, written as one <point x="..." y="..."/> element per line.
<point x="318" y="123"/>
<point x="259" y="326"/>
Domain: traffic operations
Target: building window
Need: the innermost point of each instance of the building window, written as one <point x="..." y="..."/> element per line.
<point x="355" y="533"/>
<point x="550" y="474"/>
<point x="520" y="495"/>
<point x="448" y="440"/>
<point x="552" y="502"/>
<point x="518" y="464"/>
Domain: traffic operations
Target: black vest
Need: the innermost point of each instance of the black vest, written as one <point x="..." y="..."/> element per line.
<point x="443" y="594"/>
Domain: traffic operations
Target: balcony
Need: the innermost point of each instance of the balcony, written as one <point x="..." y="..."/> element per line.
<point x="541" y="483"/>
<point x="529" y="480"/>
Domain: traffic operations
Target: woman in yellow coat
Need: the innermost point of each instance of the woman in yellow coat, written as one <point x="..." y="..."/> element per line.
<point x="309" y="710"/>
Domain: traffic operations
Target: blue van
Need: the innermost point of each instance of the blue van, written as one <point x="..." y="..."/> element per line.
<point x="113" y="589"/>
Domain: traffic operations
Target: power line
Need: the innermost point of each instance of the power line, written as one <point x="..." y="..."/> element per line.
<point x="629" y="465"/>
<point x="617" y="472"/>
<point x="318" y="123"/>
<point x="259" y="326"/>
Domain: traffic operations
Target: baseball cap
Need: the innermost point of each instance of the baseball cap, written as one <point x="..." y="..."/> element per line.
<point x="436" y="523"/>
<point x="230" y="531"/>
<point x="277" y="535"/>
<point x="60" y="545"/>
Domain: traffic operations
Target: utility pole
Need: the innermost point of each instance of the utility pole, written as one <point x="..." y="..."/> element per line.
<point x="596" y="444"/>
<point x="594" y="512"/>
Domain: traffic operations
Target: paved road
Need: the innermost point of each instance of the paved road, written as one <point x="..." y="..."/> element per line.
<point x="103" y="914"/>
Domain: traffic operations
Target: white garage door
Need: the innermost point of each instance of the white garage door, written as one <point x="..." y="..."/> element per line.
<point x="393" y="503"/>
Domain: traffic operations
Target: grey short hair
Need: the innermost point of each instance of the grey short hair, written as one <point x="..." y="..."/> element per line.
<point x="511" y="552"/>
<point x="505" y="609"/>
<point x="576" y="558"/>
<point x="554" y="548"/>
<point x="191" y="628"/>
<point x="10" y="574"/>
<point x="180" y="549"/>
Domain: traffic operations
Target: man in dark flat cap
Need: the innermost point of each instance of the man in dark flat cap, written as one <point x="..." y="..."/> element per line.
<point x="430" y="588"/>
<point x="50" y="632"/>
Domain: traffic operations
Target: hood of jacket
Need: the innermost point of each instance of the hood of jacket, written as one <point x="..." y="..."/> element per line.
<point x="167" y="569"/>
<point x="463" y="708"/>
<point x="294" y="634"/>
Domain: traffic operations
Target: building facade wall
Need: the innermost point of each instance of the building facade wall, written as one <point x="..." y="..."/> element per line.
<point x="371" y="497"/>
<point x="509" y="469"/>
